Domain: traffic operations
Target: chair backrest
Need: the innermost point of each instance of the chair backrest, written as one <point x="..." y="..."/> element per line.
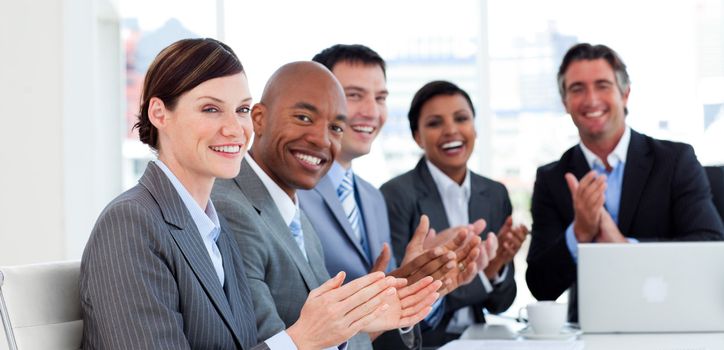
<point x="716" y="180"/>
<point x="40" y="306"/>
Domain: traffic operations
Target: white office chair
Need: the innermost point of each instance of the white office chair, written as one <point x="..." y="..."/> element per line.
<point x="40" y="306"/>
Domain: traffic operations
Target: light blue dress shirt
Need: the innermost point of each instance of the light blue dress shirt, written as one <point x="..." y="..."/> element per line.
<point x="614" y="181"/>
<point x="207" y="221"/>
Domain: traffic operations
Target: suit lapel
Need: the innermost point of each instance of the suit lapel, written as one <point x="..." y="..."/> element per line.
<point x="326" y="189"/>
<point x="229" y="275"/>
<point x="187" y="238"/>
<point x="240" y="298"/>
<point x="314" y="252"/>
<point x="479" y="204"/>
<point x="430" y="202"/>
<point x="252" y="187"/>
<point x="637" y="169"/>
<point x="577" y="165"/>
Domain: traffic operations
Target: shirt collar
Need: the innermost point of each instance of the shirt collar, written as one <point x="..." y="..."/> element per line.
<point x="336" y="174"/>
<point x="287" y="207"/>
<point x="207" y="221"/>
<point x="614" y="158"/>
<point x="444" y="183"/>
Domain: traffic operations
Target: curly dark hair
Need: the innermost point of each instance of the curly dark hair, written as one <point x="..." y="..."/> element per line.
<point x="426" y="93"/>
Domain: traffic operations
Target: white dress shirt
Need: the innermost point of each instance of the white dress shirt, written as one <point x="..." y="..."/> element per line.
<point x="287" y="208"/>
<point x="286" y="205"/>
<point x="455" y="199"/>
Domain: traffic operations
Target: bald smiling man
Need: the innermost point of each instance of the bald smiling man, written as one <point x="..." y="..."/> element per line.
<point x="298" y="127"/>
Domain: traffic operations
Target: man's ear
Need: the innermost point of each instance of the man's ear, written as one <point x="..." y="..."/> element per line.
<point x="258" y="118"/>
<point x="157" y="113"/>
<point x="565" y="105"/>
<point x="624" y="96"/>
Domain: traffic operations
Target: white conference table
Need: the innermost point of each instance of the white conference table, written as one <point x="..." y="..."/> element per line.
<point x="479" y="337"/>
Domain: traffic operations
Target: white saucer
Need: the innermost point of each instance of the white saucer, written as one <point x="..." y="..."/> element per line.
<point x="566" y="333"/>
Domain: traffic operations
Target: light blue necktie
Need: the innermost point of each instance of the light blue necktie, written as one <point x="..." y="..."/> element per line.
<point x="614" y="180"/>
<point x="296" y="228"/>
<point x="345" y="192"/>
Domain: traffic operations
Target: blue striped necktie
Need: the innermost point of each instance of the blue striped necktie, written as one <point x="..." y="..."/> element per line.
<point x="345" y="192"/>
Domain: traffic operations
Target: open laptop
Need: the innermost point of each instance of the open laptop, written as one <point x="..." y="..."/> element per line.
<point x="651" y="287"/>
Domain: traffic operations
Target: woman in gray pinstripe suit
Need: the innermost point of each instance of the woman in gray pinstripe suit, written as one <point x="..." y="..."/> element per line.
<point x="159" y="272"/>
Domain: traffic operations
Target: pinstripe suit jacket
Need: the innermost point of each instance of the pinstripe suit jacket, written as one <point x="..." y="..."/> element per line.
<point x="279" y="276"/>
<point x="147" y="281"/>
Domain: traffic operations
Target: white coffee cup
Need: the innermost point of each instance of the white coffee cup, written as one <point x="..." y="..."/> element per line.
<point x="546" y="317"/>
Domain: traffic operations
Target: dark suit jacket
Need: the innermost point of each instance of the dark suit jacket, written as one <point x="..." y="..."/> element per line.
<point x="664" y="196"/>
<point x="716" y="180"/>
<point x="147" y="281"/>
<point x="342" y="250"/>
<point x="280" y="278"/>
<point x="414" y="193"/>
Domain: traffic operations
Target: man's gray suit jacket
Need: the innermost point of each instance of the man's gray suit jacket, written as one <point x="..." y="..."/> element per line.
<point x="279" y="276"/>
<point x="147" y="281"/>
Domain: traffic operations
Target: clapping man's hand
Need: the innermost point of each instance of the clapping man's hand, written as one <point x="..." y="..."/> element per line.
<point x="334" y="313"/>
<point x="588" y="197"/>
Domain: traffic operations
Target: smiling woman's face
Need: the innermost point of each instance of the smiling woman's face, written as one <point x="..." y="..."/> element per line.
<point x="207" y="132"/>
<point x="446" y="133"/>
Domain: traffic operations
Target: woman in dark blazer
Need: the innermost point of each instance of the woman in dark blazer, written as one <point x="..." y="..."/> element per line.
<point x="441" y="186"/>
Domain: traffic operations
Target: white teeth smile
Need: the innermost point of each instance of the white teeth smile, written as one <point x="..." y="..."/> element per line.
<point x="594" y="114"/>
<point x="308" y="159"/>
<point x="452" y="144"/>
<point x="365" y="129"/>
<point x="226" y="149"/>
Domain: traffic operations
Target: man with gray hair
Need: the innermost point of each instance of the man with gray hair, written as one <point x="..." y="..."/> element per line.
<point x="615" y="186"/>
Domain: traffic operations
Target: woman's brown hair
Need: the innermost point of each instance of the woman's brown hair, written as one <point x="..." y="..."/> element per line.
<point x="179" y="68"/>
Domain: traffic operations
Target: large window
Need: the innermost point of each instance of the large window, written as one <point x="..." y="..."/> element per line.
<point x="505" y="57"/>
<point x="675" y="61"/>
<point x="148" y="27"/>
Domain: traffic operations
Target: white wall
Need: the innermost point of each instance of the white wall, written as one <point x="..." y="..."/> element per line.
<point x="60" y="96"/>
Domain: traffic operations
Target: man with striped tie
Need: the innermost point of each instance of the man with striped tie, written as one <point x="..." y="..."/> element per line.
<point x="348" y="213"/>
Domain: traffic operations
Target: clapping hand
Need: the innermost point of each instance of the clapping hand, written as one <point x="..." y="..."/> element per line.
<point x="510" y="238"/>
<point x="588" y="197"/>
